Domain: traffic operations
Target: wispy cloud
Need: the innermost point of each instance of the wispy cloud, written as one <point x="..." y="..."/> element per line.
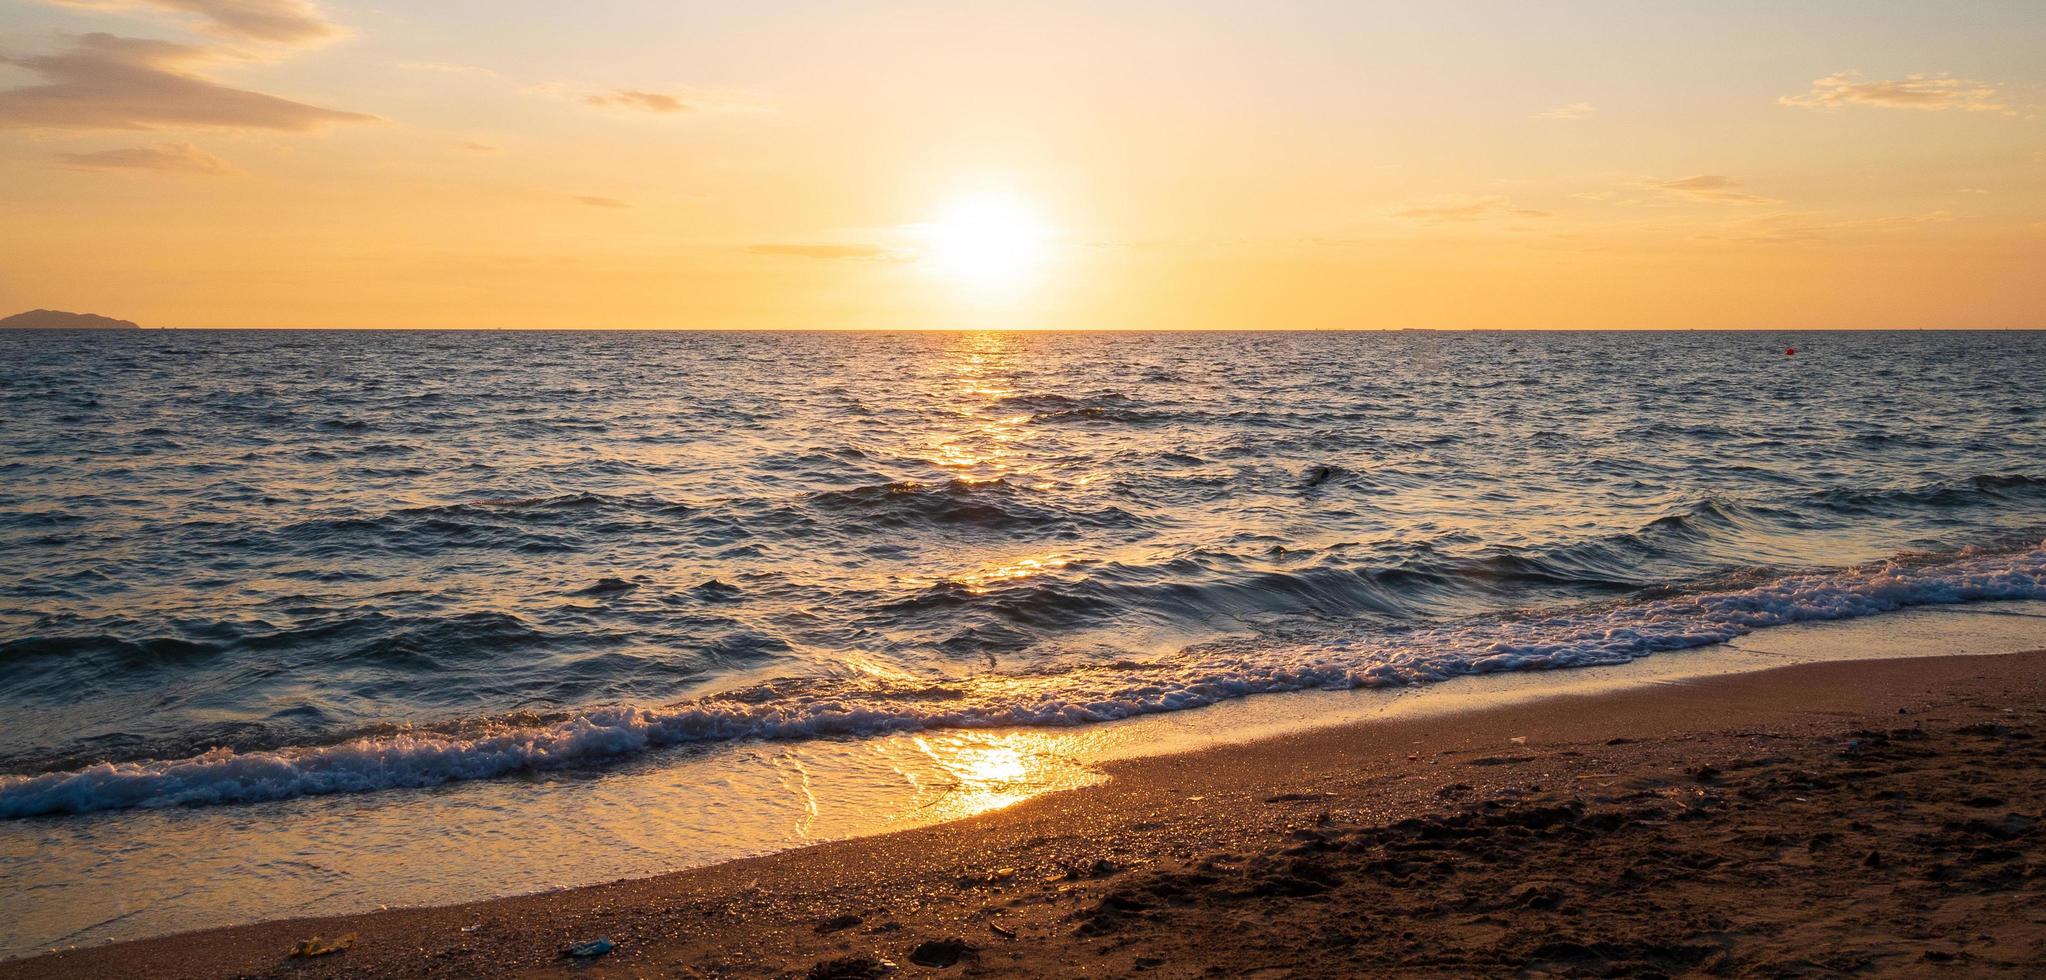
<point x="601" y="202"/>
<point x="274" y="21"/>
<point x="448" y="68"/>
<point x="664" y="102"/>
<point x="1797" y="227"/>
<point x="626" y="98"/>
<point x="168" y="158"/>
<point x="1575" y="110"/>
<point x="1925" y="92"/>
<point x="108" y="82"/>
<point x="823" y="251"/>
<point x="1471" y="210"/>
<point x="1625" y="199"/>
<point x="1710" y="188"/>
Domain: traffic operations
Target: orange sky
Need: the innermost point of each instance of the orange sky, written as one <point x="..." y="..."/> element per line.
<point x="1119" y="165"/>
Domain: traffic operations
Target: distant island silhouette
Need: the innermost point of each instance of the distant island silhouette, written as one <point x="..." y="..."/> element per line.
<point x="60" y="320"/>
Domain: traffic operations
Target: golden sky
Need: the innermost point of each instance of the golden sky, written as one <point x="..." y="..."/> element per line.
<point x="1183" y="164"/>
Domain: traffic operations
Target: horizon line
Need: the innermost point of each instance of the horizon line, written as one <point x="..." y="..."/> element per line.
<point x="969" y="329"/>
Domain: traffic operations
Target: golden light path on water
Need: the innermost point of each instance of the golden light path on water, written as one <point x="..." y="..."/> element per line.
<point x="982" y="450"/>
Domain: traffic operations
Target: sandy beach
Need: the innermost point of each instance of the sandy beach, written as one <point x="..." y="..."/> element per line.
<point x="1859" y="816"/>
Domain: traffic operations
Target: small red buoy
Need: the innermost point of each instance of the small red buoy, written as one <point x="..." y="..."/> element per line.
<point x="1789" y="351"/>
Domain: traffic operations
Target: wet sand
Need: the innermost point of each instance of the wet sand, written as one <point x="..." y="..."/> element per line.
<point x="1863" y="816"/>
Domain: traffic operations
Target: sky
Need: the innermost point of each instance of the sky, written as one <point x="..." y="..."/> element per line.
<point x="1185" y="164"/>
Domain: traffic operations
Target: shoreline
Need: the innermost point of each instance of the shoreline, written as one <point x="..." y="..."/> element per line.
<point x="187" y="869"/>
<point x="1274" y="836"/>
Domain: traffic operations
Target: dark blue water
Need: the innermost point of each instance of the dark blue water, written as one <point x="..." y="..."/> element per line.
<point x="242" y="565"/>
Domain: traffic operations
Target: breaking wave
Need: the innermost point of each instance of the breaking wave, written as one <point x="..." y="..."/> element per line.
<point x="1063" y="694"/>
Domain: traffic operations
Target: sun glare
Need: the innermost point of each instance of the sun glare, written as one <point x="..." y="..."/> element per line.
<point x="990" y="242"/>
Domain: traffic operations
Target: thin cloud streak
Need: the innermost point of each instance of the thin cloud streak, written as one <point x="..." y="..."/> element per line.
<point x="109" y="82"/>
<point x="1801" y="227"/>
<point x="276" y="21"/>
<point x="1475" y="210"/>
<point x="658" y="102"/>
<point x="1710" y="188"/>
<point x="1930" y="93"/>
<point x="168" y="158"/>
<point x="672" y="102"/>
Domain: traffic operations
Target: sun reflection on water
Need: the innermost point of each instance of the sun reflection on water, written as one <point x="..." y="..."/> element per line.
<point x="980" y="376"/>
<point x="977" y="772"/>
<point x="1021" y="568"/>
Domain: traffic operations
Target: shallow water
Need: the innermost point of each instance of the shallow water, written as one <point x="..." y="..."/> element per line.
<point x="129" y="873"/>
<point x="258" y="566"/>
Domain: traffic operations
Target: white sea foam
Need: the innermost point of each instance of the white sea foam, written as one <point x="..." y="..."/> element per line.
<point x="1076" y="694"/>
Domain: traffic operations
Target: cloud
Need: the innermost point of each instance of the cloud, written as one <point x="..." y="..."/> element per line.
<point x="823" y="251"/>
<point x="276" y="21"/>
<point x="447" y="68"/>
<point x="168" y="158"/>
<point x="108" y="82"/>
<point x="670" y="101"/>
<point x="1928" y="92"/>
<point x="1575" y="110"/>
<point x="601" y="202"/>
<point x="1711" y="188"/>
<point x="1620" y="199"/>
<point x="624" y="98"/>
<point x="1795" y="227"/>
<point x="1473" y="210"/>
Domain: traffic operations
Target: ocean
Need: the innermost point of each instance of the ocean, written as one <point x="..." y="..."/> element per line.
<point x="248" y="566"/>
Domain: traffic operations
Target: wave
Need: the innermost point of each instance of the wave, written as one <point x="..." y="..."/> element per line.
<point x="524" y="525"/>
<point x="1059" y="403"/>
<point x="1053" y="409"/>
<point x="1427" y="581"/>
<point x="1975" y="490"/>
<point x="563" y="503"/>
<point x="1069" y="693"/>
<point x="995" y="504"/>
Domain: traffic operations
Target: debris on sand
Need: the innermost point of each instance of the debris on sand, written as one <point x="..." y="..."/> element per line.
<point x="589" y="950"/>
<point x="838" y="923"/>
<point x="939" y="953"/>
<point x="851" y="968"/>
<point x="309" y="948"/>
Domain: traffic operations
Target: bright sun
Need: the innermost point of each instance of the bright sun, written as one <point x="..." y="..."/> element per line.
<point x="991" y="242"/>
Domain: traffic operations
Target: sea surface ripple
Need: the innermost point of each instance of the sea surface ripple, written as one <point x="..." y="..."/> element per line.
<point x="252" y="565"/>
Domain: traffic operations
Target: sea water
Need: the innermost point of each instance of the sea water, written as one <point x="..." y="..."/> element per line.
<point x="280" y="578"/>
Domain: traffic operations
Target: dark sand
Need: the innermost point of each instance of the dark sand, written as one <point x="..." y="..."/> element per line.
<point x="1858" y="817"/>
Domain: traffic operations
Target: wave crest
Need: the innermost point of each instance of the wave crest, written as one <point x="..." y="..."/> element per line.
<point x="1064" y="694"/>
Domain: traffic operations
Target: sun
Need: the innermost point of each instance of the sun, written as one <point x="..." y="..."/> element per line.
<point x="991" y="242"/>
